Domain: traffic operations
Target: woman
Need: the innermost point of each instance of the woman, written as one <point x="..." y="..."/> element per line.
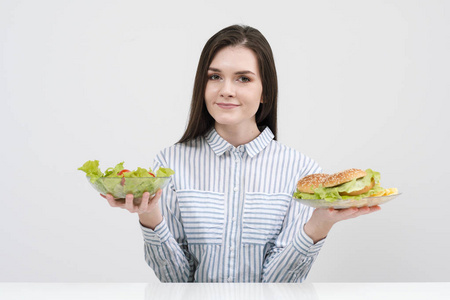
<point x="227" y="214"/>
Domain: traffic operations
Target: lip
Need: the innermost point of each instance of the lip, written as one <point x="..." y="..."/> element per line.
<point x="227" y="105"/>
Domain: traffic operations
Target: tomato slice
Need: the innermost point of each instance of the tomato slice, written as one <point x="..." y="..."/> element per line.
<point x="151" y="174"/>
<point x="123" y="171"/>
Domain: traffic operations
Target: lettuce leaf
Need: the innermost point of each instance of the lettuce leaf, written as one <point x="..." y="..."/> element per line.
<point x="114" y="172"/>
<point x="91" y="167"/>
<point x="139" y="172"/>
<point x="164" y="172"/>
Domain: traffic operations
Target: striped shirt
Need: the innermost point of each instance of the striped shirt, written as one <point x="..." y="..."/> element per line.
<point x="228" y="213"/>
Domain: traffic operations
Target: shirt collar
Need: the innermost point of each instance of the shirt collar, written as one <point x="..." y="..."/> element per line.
<point x="220" y="146"/>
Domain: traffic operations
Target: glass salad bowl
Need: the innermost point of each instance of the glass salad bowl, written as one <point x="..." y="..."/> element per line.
<point x="119" y="187"/>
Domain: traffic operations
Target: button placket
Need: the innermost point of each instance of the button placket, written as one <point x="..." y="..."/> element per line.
<point x="237" y="159"/>
<point x="237" y="192"/>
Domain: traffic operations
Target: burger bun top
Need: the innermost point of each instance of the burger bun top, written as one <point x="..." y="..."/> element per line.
<point x="343" y="177"/>
<point x="310" y="182"/>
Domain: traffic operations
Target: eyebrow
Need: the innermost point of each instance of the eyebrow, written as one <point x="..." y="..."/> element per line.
<point x="237" y="73"/>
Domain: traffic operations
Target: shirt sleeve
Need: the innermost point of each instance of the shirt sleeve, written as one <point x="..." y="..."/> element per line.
<point x="165" y="247"/>
<point x="292" y="255"/>
<point x="164" y="255"/>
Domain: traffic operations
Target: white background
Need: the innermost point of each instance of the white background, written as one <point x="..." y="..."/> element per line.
<point x="362" y="84"/>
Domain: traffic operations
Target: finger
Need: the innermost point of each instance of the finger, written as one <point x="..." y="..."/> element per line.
<point x="346" y="213"/>
<point x="111" y="200"/>
<point x="157" y="196"/>
<point x="374" y="209"/>
<point x="366" y="210"/>
<point x="361" y="211"/>
<point x="144" y="203"/>
<point x="129" y="202"/>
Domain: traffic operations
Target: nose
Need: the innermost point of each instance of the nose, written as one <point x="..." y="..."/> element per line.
<point x="227" y="89"/>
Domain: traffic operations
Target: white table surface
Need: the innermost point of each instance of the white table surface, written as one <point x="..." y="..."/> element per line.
<point x="216" y="291"/>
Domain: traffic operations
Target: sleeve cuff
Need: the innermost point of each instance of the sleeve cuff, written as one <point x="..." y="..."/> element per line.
<point x="157" y="236"/>
<point x="305" y="245"/>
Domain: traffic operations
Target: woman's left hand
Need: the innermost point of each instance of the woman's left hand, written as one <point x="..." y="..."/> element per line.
<point x="323" y="219"/>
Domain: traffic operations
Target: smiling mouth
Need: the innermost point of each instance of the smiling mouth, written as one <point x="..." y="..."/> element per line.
<point x="227" y="105"/>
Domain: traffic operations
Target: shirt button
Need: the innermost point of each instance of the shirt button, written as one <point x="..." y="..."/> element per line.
<point x="233" y="219"/>
<point x="231" y="248"/>
<point x="230" y="279"/>
<point x="236" y="160"/>
<point x="236" y="189"/>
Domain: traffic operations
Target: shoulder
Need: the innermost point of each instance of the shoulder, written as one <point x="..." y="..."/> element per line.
<point x="174" y="151"/>
<point x="196" y="143"/>
<point x="304" y="164"/>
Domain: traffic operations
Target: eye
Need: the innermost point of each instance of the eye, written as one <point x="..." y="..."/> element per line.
<point x="214" y="77"/>
<point x="244" y="79"/>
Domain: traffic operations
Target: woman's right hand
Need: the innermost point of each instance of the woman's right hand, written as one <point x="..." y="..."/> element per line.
<point x="147" y="209"/>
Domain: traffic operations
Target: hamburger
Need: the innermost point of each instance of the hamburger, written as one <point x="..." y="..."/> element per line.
<point x="349" y="184"/>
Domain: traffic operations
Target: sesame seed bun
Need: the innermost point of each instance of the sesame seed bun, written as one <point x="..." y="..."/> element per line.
<point x="343" y="177"/>
<point x="310" y="182"/>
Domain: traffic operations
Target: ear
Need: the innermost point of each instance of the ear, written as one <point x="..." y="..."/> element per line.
<point x="261" y="100"/>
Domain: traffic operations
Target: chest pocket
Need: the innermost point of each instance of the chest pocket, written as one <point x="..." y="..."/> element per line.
<point x="202" y="214"/>
<point x="263" y="217"/>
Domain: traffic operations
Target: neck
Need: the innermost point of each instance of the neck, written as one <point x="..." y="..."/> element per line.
<point x="236" y="135"/>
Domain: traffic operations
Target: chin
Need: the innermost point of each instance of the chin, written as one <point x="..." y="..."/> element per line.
<point x="226" y="122"/>
<point x="223" y="120"/>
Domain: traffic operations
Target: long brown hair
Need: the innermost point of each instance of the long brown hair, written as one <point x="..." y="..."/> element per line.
<point x="200" y="121"/>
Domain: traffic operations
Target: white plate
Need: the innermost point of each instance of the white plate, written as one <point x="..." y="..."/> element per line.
<point x="339" y="204"/>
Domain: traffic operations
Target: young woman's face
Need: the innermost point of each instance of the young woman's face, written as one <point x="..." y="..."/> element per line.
<point x="234" y="89"/>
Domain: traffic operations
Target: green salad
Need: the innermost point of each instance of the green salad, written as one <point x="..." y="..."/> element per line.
<point x="119" y="181"/>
